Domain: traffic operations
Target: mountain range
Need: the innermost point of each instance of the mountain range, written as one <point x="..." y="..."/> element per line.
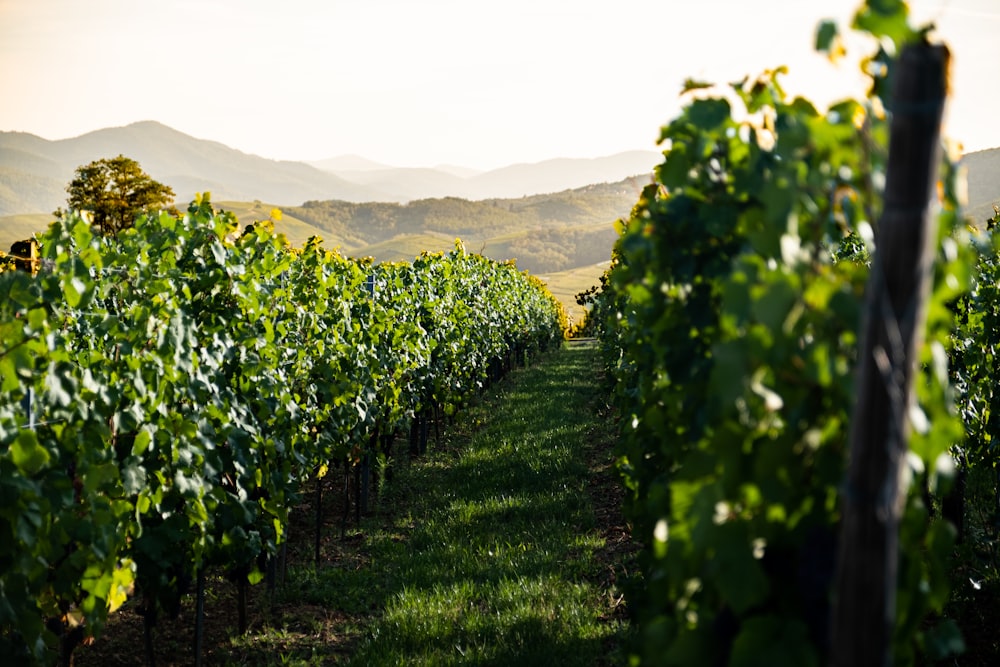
<point x="34" y="172"/>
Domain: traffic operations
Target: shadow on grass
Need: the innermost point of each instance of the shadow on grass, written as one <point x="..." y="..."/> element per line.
<point x="489" y="555"/>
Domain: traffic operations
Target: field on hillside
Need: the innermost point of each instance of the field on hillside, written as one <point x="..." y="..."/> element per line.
<point x="15" y="228"/>
<point x="565" y="285"/>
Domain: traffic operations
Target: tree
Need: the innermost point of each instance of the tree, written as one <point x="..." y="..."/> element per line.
<point x="116" y="191"/>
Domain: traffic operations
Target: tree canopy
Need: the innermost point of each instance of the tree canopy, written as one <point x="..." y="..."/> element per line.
<point x="115" y="191"/>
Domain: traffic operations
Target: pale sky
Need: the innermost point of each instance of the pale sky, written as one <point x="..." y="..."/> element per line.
<point x="474" y="83"/>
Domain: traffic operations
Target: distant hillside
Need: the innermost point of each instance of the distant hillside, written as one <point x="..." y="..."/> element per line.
<point x="34" y="172"/>
<point x="508" y="182"/>
<point x="349" y="163"/>
<point x="186" y="164"/>
<point x="565" y="285"/>
<point x="550" y="232"/>
<point x="561" y="174"/>
<point x="26" y="192"/>
<point x="19" y="227"/>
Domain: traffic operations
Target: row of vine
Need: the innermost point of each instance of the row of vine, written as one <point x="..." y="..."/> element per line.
<point x="167" y="392"/>
<point x="730" y="324"/>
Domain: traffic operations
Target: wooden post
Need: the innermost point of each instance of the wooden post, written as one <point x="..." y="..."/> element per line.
<point x="25" y="255"/>
<point x="873" y="499"/>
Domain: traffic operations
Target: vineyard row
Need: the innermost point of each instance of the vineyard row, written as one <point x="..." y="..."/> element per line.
<point x="167" y="393"/>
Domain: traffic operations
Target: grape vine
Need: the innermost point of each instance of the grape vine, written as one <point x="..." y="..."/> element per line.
<point x="167" y="393"/>
<point x="731" y="319"/>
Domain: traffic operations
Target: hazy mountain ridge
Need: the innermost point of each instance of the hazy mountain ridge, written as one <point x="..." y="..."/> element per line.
<point x="506" y="182"/>
<point x="186" y="164"/>
<point x="191" y="165"/>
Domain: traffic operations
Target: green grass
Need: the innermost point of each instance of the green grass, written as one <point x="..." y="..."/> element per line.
<point x="500" y="556"/>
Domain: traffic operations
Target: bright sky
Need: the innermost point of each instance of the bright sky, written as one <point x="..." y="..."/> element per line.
<point x="425" y="82"/>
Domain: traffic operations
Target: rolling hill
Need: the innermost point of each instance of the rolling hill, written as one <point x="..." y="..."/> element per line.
<point x="34" y="171"/>
<point x="186" y="164"/>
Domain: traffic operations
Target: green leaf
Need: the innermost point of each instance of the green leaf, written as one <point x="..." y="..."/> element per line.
<point x="825" y="35"/>
<point x="142" y="440"/>
<point x="59" y="389"/>
<point x="142" y="504"/>
<point x="886" y="18"/>
<point x="21" y="290"/>
<point x="26" y="452"/>
<point x="219" y="252"/>
<point x="764" y="641"/>
<point x="709" y="114"/>
<point x="37" y="318"/>
<point x="81" y="233"/>
<point x="739" y="576"/>
<point x="98" y="477"/>
<point x="28" y="523"/>
<point x="133" y="478"/>
<point x="773" y="306"/>
<point x="9" y="381"/>
<point x="74" y="290"/>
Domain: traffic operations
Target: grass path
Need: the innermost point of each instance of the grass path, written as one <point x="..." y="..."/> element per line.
<point x="500" y="559"/>
<point x="502" y="545"/>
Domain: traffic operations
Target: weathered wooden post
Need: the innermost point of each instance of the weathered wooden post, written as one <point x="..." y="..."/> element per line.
<point x="25" y="255"/>
<point x="865" y="585"/>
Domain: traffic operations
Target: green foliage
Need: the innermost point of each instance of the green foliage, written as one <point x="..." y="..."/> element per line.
<point x="186" y="379"/>
<point x="975" y="362"/>
<point x="730" y="323"/>
<point x="115" y="191"/>
<point x="737" y="339"/>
